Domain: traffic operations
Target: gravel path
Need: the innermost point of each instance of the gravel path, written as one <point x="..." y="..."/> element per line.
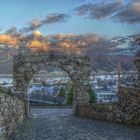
<point x="60" y="124"/>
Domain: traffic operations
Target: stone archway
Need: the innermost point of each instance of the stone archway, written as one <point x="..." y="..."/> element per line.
<point x="78" y="69"/>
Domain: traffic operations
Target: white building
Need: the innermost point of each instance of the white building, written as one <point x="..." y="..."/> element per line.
<point x="106" y="97"/>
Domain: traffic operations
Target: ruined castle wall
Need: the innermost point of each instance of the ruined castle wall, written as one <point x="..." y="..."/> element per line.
<point x="78" y="68"/>
<point x="126" y="110"/>
<point x="11" y="114"/>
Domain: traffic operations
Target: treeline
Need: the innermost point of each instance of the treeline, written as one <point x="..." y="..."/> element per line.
<point x="70" y="96"/>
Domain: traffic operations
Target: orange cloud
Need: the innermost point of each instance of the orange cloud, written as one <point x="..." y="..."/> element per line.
<point x="67" y="44"/>
<point x="7" y="39"/>
<point x="37" y="45"/>
<point x="37" y="34"/>
<point x="63" y="43"/>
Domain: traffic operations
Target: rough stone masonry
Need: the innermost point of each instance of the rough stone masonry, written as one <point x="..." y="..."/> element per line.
<point x="126" y="110"/>
<point x="137" y="64"/>
<point x="13" y="109"/>
<point x="12" y="112"/>
<point x="77" y="67"/>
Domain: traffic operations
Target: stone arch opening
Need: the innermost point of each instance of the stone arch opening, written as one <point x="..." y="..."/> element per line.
<point x="78" y="69"/>
<point x="47" y="85"/>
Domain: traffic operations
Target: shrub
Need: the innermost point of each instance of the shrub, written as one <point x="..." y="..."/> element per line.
<point x="9" y="92"/>
<point x="69" y="100"/>
<point x="62" y="92"/>
<point x="1" y="89"/>
<point x="92" y="96"/>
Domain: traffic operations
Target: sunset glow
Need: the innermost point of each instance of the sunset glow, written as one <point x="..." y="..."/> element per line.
<point x="7" y="39"/>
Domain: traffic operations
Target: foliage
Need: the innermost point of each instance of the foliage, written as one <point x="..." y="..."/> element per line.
<point x="6" y="91"/>
<point x="9" y="92"/>
<point x="92" y="96"/>
<point x="69" y="100"/>
<point x="62" y="92"/>
<point x="1" y="89"/>
<point x="43" y="83"/>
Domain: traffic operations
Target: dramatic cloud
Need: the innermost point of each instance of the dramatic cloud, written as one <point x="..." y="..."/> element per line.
<point x="77" y="40"/>
<point x="81" y="44"/>
<point x="75" y="44"/>
<point x="34" y="24"/>
<point x="116" y="10"/>
<point x="54" y="18"/>
<point x="99" y="11"/>
<point x="7" y="39"/>
<point x="62" y="43"/>
<point x="130" y="14"/>
<point x="104" y="53"/>
<point x="50" y="19"/>
<point x="13" y="31"/>
<point x="37" y="45"/>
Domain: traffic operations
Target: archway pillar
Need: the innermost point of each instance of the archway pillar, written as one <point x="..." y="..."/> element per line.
<point x="81" y="81"/>
<point x="78" y="69"/>
<point x="81" y="96"/>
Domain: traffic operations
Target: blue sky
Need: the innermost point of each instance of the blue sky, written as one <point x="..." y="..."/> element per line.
<point x="19" y="13"/>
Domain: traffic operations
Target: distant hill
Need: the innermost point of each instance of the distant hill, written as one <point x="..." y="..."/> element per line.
<point x="99" y="63"/>
<point x="104" y="55"/>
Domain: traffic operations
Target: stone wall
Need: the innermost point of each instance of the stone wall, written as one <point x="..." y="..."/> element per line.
<point x="137" y="65"/>
<point x="11" y="114"/>
<point x="126" y="110"/>
<point x="78" y="69"/>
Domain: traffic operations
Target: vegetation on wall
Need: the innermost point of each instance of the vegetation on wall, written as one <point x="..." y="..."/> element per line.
<point x="62" y="92"/>
<point x="92" y="96"/>
<point x="1" y="89"/>
<point x="7" y="91"/>
<point x="69" y="100"/>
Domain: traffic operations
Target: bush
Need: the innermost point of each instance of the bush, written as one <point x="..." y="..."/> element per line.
<point x="9" y="92"/>
<point x="62" y="93"/>
<point x="92" y="96"/>
<point x="6" y="91"/>
<point x="69" y="100"/>
<point x="1" y="89"/>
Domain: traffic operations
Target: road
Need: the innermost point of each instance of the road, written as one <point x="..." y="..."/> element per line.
<point x="60" y="124"/>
